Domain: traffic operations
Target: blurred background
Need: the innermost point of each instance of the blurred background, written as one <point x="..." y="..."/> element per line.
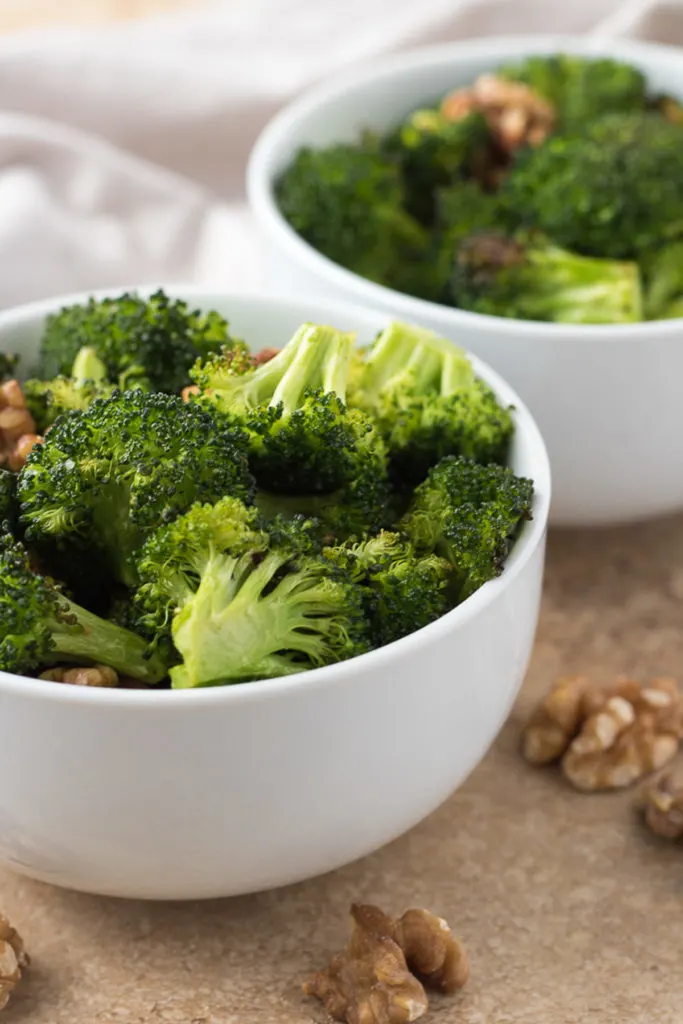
<point x="125" y="125"/>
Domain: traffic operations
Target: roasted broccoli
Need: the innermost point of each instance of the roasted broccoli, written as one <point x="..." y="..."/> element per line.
<point x="663" y="272"/>
<point x="8" y="500"/>
<point x="468" y="514"/>
<point x="615" y="191"/>
<point x="527" y="277"/>
<point x="149" y="343"/>
<point x="581" y="89"/>
<point x="305" y="443"/>
<point x="348" y="202"/>
<point x="422" y="392"/>
<point x="402" y="592"/>
<point x="433" y="152"/>
<point x="39" y="626"/>
<point x="108" y="476"/>
<point x="242" y="605"/>
<point x="47" y="400"/>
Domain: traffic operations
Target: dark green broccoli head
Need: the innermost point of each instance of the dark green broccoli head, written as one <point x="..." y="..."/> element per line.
<point x="581" y="89"/>
<point x="433" y="152"/>
<point x="615" y="191"/>
<point x="470" y="515"/>
<point x="305" y="442"/>
<point x="8" y="366"/>
<point x="663" y="273"/>
<point x="347" y="202"/>
<point x="527" y="277"/>
<point x="108" y="476"/>
<point x="8" y="500"/>
<point x="47" y="400"/>
<point x="422" y="392"/>
<point x="151" y="343"/>
<point x="403" y="592"/>
<point x="40" y="626"/>
<point x="241" y="606"/>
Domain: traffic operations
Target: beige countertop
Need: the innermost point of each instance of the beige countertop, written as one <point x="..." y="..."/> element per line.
<point x="570" y="911"/>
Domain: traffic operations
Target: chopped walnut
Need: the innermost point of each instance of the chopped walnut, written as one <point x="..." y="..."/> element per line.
<point x="188" y="392"/>
<point x="13" y="958"/>
<point x="634" y="732"/>
<point x="264" y="356"/>
<point x="93" y="675"/>
<point x="17" y="426"/>
<point x="369" y="982"/>
<point x="663" y="805"/>
<point x="517" y="115"/>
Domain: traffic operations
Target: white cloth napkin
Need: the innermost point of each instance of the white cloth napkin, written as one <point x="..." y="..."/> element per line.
<point x="123" y="149"/>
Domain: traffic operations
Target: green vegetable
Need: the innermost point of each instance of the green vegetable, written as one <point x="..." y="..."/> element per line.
<point x="8" y="500"/>
<point x="527" y="277"/>
<point x="8" y="366"/>
<point x="433" y="152"/>
<point x="149" y="343"/>
<point x="39" y="626"/>
<point x="427" y="402"/>
<point x="348" y="202"/>
<point x="108" y="476"/>
<point x="581" y="89"/>
<point x="664" y="283"/>
<point x="305" y="443"/>
<point x="615" y="191"/>
<point x="470" y="515"/>
<point x="242" y="607"/>
<point x="402" y="592"/>
<point x="47" y="400"/>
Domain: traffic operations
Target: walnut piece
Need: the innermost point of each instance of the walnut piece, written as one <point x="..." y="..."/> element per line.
<point x="369" y="982"/>
<point x="663" y="805"/>
<point x="378" y="979"/>
<point x="17" y="426"/>
<point x="516" y="114"/>
<point x="13" y="959"/>
<point x="93" y="675"/>
<point x="607" y="736"/>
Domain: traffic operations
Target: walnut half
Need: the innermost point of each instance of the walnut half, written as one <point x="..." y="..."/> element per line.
<point x="17" y="426"/>
<point x="516" y="114"/>
<point x="606" y="737"/>
<point x="13" y="959"/>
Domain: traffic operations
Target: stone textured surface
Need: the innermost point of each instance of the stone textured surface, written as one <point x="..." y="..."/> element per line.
<point x="570" y="911"/>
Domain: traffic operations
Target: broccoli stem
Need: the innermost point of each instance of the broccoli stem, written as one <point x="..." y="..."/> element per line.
<point x="84" y="636"/>
<point x="419" y="355"/>
<point x="88" y="367"/>
<point x="321" y="358"/>
<point x="241" y="618"/>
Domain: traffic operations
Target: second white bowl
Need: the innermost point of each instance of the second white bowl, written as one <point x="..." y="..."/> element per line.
<point x="607" y="398"/>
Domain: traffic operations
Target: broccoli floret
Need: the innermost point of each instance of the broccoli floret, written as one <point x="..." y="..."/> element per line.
<point x="470" y="515"/>
<point x="150" y="343"/>
<point x="403" y="592"/>
<point x="8" y="366"/>
<point x="8" y="500"/>
<point x="581" y="89"/>
<point x="427" y="402"/>
<point x="616" y="191"/>
<point x="108" y="476"/>
<point x="40" y="626"/>
<point x="305" y="442"/>
<point x="347" y="201"/>
<point x="242" y="606"/>
<point x="663" y="273"/>
<point x="527" y="277"/>
<point x="47" y="400"/>
<point x="433" y="151"/>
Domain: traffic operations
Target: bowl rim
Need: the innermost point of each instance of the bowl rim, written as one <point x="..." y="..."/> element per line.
<point x="370" y="75"/>
<point x="532" y="535"/>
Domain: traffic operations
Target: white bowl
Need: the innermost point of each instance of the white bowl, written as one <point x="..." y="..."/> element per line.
<point x="215" y="792"/>
<point x="607" y="398"/>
